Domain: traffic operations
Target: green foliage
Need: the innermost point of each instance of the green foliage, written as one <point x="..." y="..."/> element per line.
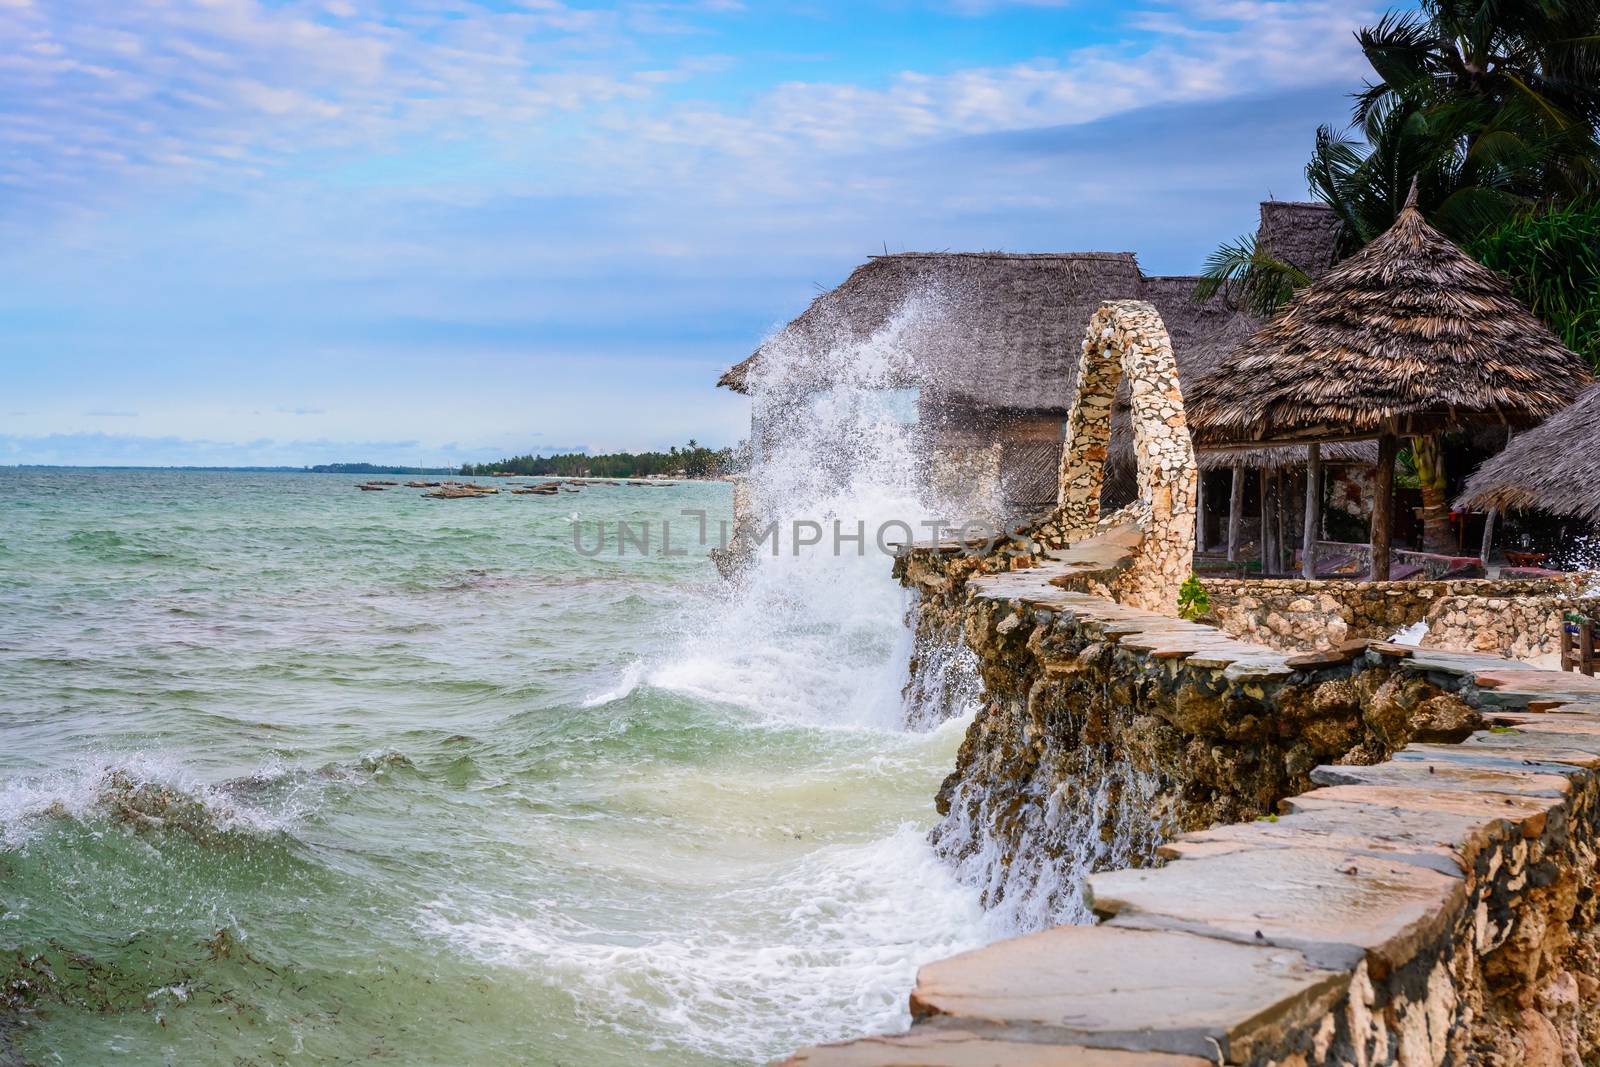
<point x="692" y="461"/>
<point x="1405" y="468"/>
<point x="1492" y="108"/>
<point x="1552" y="257"/>
<point x="1193" y="600"/>
<point x="1468" y="176"/>
<point x="374" y="468"/>
<point x="1248" y="277"/>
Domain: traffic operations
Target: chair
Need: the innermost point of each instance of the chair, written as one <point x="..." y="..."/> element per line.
<point x="1577" y="643"/>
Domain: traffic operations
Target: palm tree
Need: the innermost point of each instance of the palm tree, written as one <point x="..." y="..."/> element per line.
<point x="1531" y="69"/>
<point x="1249" y="276"/>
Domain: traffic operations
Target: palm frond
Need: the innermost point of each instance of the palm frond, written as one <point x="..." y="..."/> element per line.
<point x="1248" y="276"/>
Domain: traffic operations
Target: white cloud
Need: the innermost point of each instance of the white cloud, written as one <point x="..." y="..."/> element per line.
<point x="100" y="96"/>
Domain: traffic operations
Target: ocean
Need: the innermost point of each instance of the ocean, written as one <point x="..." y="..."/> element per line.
<point x="293" y="773"/>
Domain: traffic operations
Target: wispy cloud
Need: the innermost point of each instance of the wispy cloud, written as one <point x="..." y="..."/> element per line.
<point x="236" y="90"/>
<point x="474" y="221"/>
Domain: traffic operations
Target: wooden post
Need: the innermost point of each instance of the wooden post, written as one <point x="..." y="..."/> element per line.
<point x="1487" y="545"/>
<point x="1264" y="507"/>
<point x="1279" y="526"/>
<point x="1383" y="507"/>
<point x="1308" y="563"/>
<point x="1199" y="510"/>
<point x="1488" y="522"/>
<point x="1235" y="511"/>
<point x="1586" y="647"/>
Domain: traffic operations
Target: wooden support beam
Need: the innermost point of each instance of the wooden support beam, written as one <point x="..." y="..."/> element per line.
<point x="1487" y="545"/>
<point x="1308" y="563"/>
<point x="1264" y="507"/>
<point x="1200" y="510"/>
<point x="1383" y="506"/>
<point x="1280" y="520"/>
<point x="1235" y="512"/>
<point x="1489" y="519"/>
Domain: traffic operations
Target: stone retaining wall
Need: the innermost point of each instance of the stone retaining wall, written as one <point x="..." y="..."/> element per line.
<point x="1519" y="618"/>
<point x="1371" y="855"/>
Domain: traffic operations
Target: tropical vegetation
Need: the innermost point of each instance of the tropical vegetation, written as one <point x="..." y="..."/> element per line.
<point x="1492" y="109"/>
<point x="694" y="460"/>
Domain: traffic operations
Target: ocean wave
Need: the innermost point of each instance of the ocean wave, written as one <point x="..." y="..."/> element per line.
<point x="150" y="796"/>
<point x="109" y="546"/>
<point x="832" y="948"/>
<point x="138" y="793"/>
<point x="625" y="684"/>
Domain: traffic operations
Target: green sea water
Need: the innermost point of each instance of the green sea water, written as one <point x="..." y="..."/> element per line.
<point x="291" y="773"/>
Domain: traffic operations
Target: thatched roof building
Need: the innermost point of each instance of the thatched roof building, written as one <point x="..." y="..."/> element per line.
<point x="995" y="331"/>
<point x="1409" y="336"/>
<point x="1009" y="325"/>
<point x="1549" y="469"/>
<point x="993" y="340"/>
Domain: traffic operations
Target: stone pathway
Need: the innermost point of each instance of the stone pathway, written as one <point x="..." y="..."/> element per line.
<point x="1257" y="931"/>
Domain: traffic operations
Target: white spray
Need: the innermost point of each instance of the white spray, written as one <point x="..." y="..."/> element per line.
<point x="817" y="633"/>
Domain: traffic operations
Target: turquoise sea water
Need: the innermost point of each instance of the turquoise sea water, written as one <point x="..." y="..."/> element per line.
<point x="292" y="773"/>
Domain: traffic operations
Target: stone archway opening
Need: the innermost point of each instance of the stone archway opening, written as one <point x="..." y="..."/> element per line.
<point x="1128" y="338"/>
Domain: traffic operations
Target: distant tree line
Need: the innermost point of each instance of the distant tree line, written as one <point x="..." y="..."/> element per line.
<point x="694" y="460"/>
<point x="374" y="468"/>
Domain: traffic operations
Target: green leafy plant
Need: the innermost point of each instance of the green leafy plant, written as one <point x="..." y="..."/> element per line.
<point x="1193" y="600"/>
<point x="1249" y="277"/>
<point x="1493" y="110"/>
<point x="1553" y="260"/>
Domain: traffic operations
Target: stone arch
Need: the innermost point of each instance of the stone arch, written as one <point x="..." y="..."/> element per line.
<point x="1127" y="337"/>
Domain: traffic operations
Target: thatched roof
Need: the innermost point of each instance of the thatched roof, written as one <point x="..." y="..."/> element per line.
<point x="1409" y="335"/>
<point x="1550" y="469"/>
<point x="1288" y="457"/>
<point x="1004" y="331"/>
<point x="993" y="330"/>
<point x="1305" y="236"/>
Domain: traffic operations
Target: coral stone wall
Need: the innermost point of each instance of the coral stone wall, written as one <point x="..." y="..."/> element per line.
<point x="1520" y="618"/>
<point x="1127" y="337"/>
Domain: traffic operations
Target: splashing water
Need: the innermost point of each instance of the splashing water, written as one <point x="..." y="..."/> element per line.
<point x="817" y="633"/>
<point x="1030" y="853"/>
<point x="345" y="766"/>
<point x="354" y="765"/>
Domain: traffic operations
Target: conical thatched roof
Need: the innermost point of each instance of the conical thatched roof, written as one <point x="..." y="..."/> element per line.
<point x="1410" y="335"/>
<point x="1551" y="468"/>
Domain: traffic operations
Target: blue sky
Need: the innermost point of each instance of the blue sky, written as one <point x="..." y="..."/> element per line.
<point x="272" y="231"/>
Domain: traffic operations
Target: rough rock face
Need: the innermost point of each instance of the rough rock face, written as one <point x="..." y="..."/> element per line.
<point x="1441" y="882"/>
<point x="1085" y="756"/>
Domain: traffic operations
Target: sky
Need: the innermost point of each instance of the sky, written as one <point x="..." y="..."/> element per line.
<point x="238" y="232"/>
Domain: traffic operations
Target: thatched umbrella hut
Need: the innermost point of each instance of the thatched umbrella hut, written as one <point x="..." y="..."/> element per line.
<point x="1409" y="337"/>
<point x="1549" y="469"/>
